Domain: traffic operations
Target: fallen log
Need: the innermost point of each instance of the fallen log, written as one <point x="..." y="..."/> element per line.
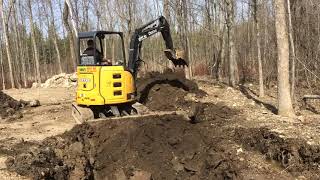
<point x="306" y="97"/>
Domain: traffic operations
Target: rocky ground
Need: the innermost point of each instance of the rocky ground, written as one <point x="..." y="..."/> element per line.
<point x="231" y="134"/>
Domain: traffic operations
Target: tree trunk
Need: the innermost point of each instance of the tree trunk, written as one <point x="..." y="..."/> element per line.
<point x="21" y="52"/>
<point x="184" y="35"/>
<point x="284" y="100"/>
<point x="1" y="64"/>
<point x="24" y="51"/>
<point x="17" y="40"/>
<point x="72" y="35"/>
<point x="233" y="69"/>
<point x="85" y="23"/>
<point x="41" y="44"/>
<point x="34" y="44"/>
<point x="64" y="52"/>
<point x="258" y="40"/>
<point x="222" y="56"/>
<point x="55" y="38"/>
<point x="293" y="53"/>
<point x="166" y="11"/>
<point x="6" y="38"/>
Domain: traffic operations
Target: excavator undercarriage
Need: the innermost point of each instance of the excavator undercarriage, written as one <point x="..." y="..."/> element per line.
<point x="83" y="114"/>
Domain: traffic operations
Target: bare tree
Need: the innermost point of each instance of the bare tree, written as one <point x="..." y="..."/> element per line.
<point x="186" y="37"/>
<point x="258" y="40"/>
<point x="293" y="52"/>
<point x="215" y="41"/>
<point x="20" y="48"/>
<point x="2" y="66"/>
<point x="34" y="43"/>
<point x="284" y="100"/>
<point x="6" y="38"/>
<point x="166" y="10"/>
<point x="55" y="38"/>
<point x="233" y="67"/>
<point x="72" y="30"/>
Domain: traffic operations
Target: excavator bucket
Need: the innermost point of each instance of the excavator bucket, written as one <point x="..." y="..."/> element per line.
<point x="176" y="57"/>
<point x="81" y="114"/>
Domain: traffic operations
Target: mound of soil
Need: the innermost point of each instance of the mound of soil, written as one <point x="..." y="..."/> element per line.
<point x="294" y="155"/>
<point x="164" y="97"/>
<point x="9" y="106"/>
<point x="59" y="80"/>
<point x="166" y="92"/>
<point x="164" y="147"/>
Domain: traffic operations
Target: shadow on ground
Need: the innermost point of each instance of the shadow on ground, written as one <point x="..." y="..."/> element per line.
<point x="247" y="92"/>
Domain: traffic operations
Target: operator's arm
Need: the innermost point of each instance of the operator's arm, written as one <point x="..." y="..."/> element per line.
<point x="88" y="51"/>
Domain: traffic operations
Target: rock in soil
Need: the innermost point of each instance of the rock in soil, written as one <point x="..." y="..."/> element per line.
<point x="141" y="175"/>
<point x="34" y="103"/>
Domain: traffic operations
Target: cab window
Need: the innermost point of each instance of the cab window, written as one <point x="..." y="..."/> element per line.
<point x="105" y="50"/>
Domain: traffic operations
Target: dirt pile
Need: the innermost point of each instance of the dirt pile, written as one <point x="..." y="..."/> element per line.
<point x="166" y="147"/>
<point x="60" y="80"/>
<point x="9" y="106"/>
<point x="164" y="97"/>
<point x="296" y="156"/>
<point x="166" y="92"/>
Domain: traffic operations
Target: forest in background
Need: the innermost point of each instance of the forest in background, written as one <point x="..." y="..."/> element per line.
<point x="231" y="40"/>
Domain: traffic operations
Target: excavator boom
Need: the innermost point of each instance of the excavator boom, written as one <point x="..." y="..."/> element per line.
<point x="142" y="33"/>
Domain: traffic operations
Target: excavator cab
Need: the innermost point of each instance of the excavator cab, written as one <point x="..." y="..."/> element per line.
<point x="101" y="48"/>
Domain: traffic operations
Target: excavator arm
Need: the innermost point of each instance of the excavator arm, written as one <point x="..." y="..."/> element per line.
<point x="142" y="33"/>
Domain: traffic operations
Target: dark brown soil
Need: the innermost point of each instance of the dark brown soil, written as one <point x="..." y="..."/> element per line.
<point x="294" y="155"/>
<point x="168" y="147"/>
<point x="145" y="84"/>
<point x="166" y="92"/>
<point x="9" y="106"/>
<point x="164" y="97"/>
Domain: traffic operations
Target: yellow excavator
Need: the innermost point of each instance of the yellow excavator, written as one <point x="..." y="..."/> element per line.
<point x="106" y="81"/>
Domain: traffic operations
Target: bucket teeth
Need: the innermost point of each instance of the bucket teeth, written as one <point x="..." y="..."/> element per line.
<point x="176" y="57"/>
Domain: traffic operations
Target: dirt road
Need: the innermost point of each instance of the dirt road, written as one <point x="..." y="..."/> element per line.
<point x="51" y="118"/>
<point x="234" y="137"/>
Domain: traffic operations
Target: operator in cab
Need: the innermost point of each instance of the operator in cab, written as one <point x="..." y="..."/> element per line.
<point x="90" y="50"/>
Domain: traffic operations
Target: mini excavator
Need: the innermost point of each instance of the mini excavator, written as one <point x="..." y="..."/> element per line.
<point x="106" y="86"/>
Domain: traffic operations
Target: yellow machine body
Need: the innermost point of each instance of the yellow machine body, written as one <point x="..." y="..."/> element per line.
<point x="104" y="85"/>
<point x="105" y="90"/>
